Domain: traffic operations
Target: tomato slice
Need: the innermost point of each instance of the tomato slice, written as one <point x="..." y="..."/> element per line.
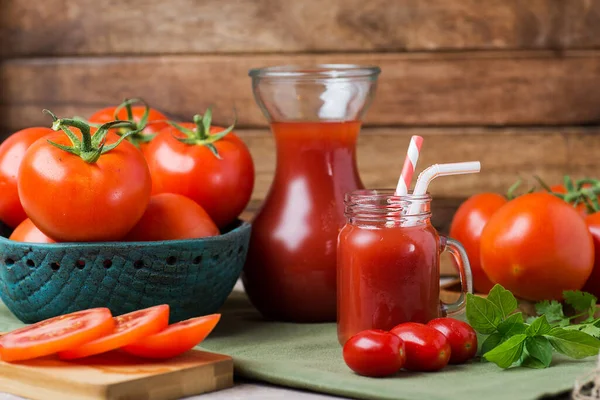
<point x="129" y="329"/>
<point x="176" y="339"/>
<point x="56" y="334"/>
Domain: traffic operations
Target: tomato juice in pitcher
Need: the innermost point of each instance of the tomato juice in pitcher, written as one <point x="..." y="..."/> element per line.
<point x="290" y="272"/>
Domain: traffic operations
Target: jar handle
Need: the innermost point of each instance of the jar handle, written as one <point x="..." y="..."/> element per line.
<point x="464" y="269"/>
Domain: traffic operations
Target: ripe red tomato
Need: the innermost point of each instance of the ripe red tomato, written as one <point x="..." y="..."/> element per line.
<point x="12" y="151"/>
<point x="467" y="225"/>
<point x="461" y="337"/>
<point x="73" y="200"/>
<point x="374" y="353"/>
<point x="592" y="285"/>
<point x="426" y="348"/>
<point x="129" y="328"/>
<point x="537" y="246"/>
<point x="170" y="217"/>
<point x="222" y="186"/>
<point x="174" y="340"/>
<point x="28" y="232"/>
<point x="56" y="334"/>
<point x="156" y="121"/>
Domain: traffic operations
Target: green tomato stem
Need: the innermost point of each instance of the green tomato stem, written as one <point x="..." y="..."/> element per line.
<point x="89" y="148"/>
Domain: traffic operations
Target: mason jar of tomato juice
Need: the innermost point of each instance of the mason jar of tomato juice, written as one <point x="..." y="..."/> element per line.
<point x="388" y="263"/>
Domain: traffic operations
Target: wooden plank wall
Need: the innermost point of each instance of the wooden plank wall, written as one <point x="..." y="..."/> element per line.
<point x="513" y="83"/>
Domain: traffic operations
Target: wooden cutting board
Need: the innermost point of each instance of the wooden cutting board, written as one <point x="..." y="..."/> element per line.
<point x="119" y="376"/>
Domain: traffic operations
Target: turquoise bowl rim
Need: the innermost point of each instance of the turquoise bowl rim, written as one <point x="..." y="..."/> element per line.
<point x="241" y="226"/>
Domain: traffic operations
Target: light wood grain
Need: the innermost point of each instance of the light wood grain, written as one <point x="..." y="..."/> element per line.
<point x="505" y="154"/>
<point x="524" y="88"/>
<point x="62" y="27"/>
<point x="115" y="376"/>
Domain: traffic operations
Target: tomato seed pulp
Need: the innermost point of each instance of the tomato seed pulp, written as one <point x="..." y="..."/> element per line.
<point x="290" y="273"/>
<point x="386" y="276"/>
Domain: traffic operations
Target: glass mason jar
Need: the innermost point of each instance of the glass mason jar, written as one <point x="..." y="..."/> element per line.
<point x="315" y="115"/>
<point x="388" y="263"/>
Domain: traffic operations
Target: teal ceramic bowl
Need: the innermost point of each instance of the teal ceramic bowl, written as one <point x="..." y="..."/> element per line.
<point x="39" y="281"/>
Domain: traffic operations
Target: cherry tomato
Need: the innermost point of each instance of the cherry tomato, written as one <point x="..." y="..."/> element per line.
<point x="73" y="200"/>
<point x="592" y="285"/>
<point x="467" y="225"/>
<point x="426" y="348"/>
<point x="12" y="151"/>
<point x="56" y="334"/>
<point x="28" y="232"/>
<point x="374" y="353"/>
<point x="170" y="217"/>
<point x="156" y="121"/>
<point x="461" y="337"/>
<point x="129" y="329"/>
<point x="537" y="246"/>
<point x="221" y="184"/>
<point x="176" y="339"/>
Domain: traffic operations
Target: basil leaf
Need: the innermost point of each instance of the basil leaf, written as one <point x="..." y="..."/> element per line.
<point x="491" y="341"/>
<point x="590" y="329"/>
<point x="508" y="352"/>
<point x="538" y="327"/>
<point x="503" y="299"/>
<point x="540" y="349"/>
<point x="530" y="362"/>
<point x="574" y="344"/>
<point x="512" y="325"/>
<point x="482" y="314"/>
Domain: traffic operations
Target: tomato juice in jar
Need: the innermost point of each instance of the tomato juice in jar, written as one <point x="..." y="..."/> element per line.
<point x="290" y="272"/>
<point x="388" y="263"/>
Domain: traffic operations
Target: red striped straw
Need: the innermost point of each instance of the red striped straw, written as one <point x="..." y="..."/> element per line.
<point x="410" y="164"/>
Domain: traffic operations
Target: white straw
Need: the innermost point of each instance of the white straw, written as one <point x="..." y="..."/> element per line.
<point x="436" y="170"/>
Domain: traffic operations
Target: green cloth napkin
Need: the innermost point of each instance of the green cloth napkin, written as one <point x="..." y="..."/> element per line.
<point x="308" y="356"/>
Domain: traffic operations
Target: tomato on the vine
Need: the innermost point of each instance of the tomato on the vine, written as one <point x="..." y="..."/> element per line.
<point x="374" y="353"/>
<point x="426" y="348"/>
<point x="208" y="164"/>
<point x="461" y="337"/>
<point x="84" y="188"/>
<point x="28" y="232"/>
<point x="537" y="246"/>
<point x="143" y="116"/>
<point x="581" y="206"/>
<point x="12" y="151"/>
<point x="170" y="217"/>
<point x="467" y="225"/>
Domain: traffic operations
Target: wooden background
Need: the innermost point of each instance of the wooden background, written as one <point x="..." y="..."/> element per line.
<point x="512" y="83"/>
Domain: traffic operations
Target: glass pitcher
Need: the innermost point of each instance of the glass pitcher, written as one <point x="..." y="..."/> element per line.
<point x="315" y="115"/>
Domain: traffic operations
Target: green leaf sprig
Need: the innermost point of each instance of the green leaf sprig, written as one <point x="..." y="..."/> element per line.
<point x="513" y="342"/>
<point x="584" y="305"/>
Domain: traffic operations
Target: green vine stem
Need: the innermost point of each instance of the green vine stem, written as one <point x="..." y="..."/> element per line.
<point x="583" y="191"/>
<point x="511" y="193"/>
<point x="201" y="136"/>
<point x="89" y="147"/>
<point x="134" y="131"/>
